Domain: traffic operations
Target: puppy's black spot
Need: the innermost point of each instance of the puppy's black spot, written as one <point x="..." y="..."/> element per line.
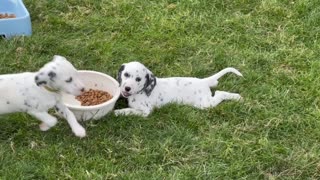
<point x="161" y="99"/>
<point x="56" y="108"/>
<point x="52" y="74"/>
<point x="26" y="103"/>
<point x="133" y="100"/>
<point x="8" y="102"/>
<point x="36" y="78"/>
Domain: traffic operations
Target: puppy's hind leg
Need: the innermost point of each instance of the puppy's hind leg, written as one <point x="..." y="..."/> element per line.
<point x="48" y="121"/>
<point x="220" y="96"/>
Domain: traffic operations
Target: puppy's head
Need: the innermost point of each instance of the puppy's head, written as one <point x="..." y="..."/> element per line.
<point x="59" y="75"/>
<point x="134" y="78"/>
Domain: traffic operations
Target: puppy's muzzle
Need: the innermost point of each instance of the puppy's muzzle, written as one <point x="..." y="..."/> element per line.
<point x="39" y="83"/>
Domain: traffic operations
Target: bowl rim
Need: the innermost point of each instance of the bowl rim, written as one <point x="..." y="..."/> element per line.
<point x="98" y="106"/>
<point x="25" y="10"/>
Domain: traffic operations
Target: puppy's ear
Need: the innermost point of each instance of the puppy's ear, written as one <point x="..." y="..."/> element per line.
<point x="58" y="58"/>
<point x="120" y="73"/>
<point x="150" y="83"/>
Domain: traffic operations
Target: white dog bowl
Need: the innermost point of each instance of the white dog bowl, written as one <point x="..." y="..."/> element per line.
<point x="98" y="81"/>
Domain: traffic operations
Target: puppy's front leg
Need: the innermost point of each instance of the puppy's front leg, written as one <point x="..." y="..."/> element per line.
<point x="77" y="129"/>
<point x="131" y="111"/>
<point x="48" y="121"/>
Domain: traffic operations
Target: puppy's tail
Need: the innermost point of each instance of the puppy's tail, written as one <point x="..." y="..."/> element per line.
<point x="212" y="81"/>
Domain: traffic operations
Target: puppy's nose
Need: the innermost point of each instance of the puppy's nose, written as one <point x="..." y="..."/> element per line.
<point x="82" y="89"/>
<point x="127" y="88"/>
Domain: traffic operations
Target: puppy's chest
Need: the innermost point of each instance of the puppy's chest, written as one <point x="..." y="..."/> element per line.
<point x="139" y="101"/>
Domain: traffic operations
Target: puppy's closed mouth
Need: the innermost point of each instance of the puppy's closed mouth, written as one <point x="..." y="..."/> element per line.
<point x="125" y="94"/>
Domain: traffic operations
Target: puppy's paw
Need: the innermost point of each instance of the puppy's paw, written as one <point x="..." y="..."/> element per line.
<point x="237" y="97"/>
<point x="44" y="127"/>
<point x="130" y="111"/>
<point x="118" y="112"/>
<point x="79" y="131"/>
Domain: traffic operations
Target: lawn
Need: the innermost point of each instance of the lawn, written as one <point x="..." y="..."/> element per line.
<point x="274" y="133"/>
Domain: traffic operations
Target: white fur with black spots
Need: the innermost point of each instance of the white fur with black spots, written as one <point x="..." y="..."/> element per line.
<point x="144" y="91"/>
<point x="37" y="92"/>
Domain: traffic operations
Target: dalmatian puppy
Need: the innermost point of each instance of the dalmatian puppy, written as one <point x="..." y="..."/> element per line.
<point x="144" y="91"/>
<point x="37" y="92"/>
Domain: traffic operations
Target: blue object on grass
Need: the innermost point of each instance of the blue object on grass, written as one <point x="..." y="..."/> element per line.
<point x="20" y="25"/>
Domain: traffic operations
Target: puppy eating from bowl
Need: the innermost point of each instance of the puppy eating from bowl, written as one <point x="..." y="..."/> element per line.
<point x="145" y="92"/>
<point x="37" y="92"/>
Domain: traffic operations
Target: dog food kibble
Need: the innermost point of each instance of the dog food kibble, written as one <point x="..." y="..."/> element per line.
<point x="93" y="97"/>
<point x="6" y="15"/>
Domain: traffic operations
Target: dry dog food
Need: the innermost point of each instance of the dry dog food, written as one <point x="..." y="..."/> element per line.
<point x="93" y="97"/>
<point x="6" y="15"/>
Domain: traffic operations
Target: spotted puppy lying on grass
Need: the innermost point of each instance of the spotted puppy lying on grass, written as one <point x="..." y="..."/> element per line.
<point x="36" y="92"/>
<point x="145" y="91"/>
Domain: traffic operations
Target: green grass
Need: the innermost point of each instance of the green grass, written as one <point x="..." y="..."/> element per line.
<point x="273" y="134"/>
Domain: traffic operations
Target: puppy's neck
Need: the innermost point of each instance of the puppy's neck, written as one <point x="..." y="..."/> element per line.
<point x="51" y="89"/>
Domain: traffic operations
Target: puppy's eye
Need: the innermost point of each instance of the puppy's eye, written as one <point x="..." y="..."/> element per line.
<point x="138" y="79"/>
<point x="126" y="75"/>
<point x="69" y="80"/>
